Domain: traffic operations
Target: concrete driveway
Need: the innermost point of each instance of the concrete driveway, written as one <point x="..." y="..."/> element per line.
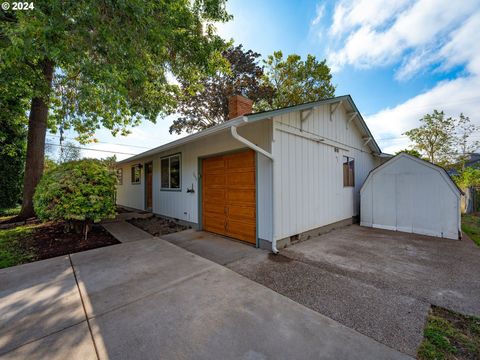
<point x="150" y="299"/>
<point x="379" y="282"/>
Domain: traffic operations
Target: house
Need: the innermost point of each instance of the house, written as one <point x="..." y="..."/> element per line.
<point x="262" y="178"/>
<point x="411" y="195"/>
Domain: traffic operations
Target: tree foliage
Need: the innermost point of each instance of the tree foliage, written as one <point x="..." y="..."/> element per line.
<point x="464" y="130"/>
<point x="207" y="105"/>
<point x="468" y="177"/>
<point x="13" y="136"/>
<point x="412" y="152"/>
<point x="110" y="62"/>
<point x="77" y="192"/>
<point x="295" y="81"/>
<point x="434" y="137"/>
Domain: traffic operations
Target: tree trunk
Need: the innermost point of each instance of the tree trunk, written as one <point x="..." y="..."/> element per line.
<point x="37" y="130"/>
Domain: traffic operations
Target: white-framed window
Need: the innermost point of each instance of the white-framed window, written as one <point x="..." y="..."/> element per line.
<point x="120" y="176"/>
<point x="136" y="174"/>
<point x="170" y="167"/>
<point x="348" y="171"/>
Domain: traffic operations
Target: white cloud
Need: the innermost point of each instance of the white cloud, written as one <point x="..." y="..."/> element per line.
<point x="453" y="96"/>
<point x="382" y="32"/>
<point x="319" y="12"/>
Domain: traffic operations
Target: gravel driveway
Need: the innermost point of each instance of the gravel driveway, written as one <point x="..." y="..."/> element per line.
<point x="379" y="282"/>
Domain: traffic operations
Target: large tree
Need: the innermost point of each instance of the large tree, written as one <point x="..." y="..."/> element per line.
<point x="296" y="81"/>
<point x="112" y="59"/>
<point x="464" y="129"/>
<point x="207" y="104"/>
<point x="434" y="138"/>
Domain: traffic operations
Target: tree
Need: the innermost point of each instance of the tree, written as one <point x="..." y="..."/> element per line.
<point x="69" y="152"/>
<point x="412" y="152"/>
<point x="110" y="59"/>
<point x="435" y="137"/>
<point x="295" y="81"/>
<point x="208" y="104"/>
<point x="78" y="192"/>
<point x="464" y="130"/>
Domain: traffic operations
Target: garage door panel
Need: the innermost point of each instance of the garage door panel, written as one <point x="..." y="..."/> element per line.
<point x="236" y="212"/>
<point x="214" y="195"/>
<point x="241" y="180"/>
<point x="246" y="196"/>
<point x="242" y="230"/>
<point x="214" y="165"/>
<point x="214" y="180"/>
<point x="244" y="160"/>
<point x="229" y="206"/>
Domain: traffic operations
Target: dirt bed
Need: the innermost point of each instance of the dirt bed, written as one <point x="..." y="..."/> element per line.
<point x="50" y="240"/>
<point x="157" y="226"/>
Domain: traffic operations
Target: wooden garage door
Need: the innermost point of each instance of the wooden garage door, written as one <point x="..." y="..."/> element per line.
<point x="228" y="195"/>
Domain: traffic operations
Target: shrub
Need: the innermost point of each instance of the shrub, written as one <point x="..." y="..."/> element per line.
<point x="79" y="192"/>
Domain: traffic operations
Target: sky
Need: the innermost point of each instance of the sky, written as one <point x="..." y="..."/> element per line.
<point x="398" y="60"/>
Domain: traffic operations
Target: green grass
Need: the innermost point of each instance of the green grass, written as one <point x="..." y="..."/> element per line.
<point x="11" y="251"/>
<point x="9" y="212"/>
<point x="471" y="226"/>
<point x="450" y="335"/>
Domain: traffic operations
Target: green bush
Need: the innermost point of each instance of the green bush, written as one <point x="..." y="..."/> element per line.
<point x="80" y="192"/>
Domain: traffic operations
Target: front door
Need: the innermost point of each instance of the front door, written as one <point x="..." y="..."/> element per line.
<point x="229" y="203"/>
<point x="148" y="185"/>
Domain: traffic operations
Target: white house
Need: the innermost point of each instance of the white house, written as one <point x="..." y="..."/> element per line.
<point x="411" y="195"/>
<point x="262" y="178"/>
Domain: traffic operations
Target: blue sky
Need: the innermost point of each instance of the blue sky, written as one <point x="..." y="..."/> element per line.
<point x="398" y="59"/>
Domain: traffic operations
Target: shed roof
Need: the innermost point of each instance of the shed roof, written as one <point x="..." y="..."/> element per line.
<point x="264" y="115"/>
<point x="440" y="169"/>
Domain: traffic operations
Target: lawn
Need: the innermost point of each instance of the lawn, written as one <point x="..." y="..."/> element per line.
<point x="449" y="335"/>
<point x="12" y="251"/>
<point x="471" y="226"/>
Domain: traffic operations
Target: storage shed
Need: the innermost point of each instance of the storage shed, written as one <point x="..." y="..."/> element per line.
<point x="411" y="195"/>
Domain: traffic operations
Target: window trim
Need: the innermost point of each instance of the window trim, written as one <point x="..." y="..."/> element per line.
<point x="179" y="154"/>
<point x="348" y="158"/>
<point x="139" y="175"/>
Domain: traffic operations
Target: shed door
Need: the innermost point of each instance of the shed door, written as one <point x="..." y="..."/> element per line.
<point x="228" y="195"/>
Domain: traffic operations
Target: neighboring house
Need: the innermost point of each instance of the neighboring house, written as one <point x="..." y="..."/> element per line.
<point x="411" y="195"/>
<point x="263" y="178"/>
<point x="472" y="160"/>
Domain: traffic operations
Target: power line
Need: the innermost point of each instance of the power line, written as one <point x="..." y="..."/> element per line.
<point x="103" y="142"/>
<point x="84" y="148"/>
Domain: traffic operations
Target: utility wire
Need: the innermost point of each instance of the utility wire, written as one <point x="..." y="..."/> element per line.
<point x="84" y="148"/>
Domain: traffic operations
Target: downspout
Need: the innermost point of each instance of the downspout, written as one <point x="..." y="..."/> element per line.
<point x="258" y="149"/>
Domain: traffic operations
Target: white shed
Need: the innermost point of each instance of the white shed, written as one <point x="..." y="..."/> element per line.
<point x="411" y="195"/>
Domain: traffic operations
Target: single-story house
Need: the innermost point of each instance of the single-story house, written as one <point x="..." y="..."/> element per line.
<point x="263" y="178"/>
<point x="411" y="195"/>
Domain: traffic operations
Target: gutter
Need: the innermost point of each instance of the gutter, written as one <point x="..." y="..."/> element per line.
<point x="233" y="130"/>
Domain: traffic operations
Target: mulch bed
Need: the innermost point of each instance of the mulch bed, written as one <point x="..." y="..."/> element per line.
<point x="49" y="240"/>
<point x="157" y="226"/>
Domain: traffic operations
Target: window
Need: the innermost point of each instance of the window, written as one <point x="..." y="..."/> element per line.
<point x="136" y="174"/>
<point x="348" y="171"/>
<point x="170" y="168"/>
<point x="120" y="176"/>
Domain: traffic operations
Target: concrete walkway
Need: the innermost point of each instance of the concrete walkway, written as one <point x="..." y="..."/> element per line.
<point x="150" y="299"/>
<point x="126" y="232"/>
<point x="211" y="246"/>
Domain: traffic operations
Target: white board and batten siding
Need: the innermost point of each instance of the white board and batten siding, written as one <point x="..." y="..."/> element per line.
<point x="308" y="174"/>
<point x="411" y="195"/>
<point x="184" y="206"/>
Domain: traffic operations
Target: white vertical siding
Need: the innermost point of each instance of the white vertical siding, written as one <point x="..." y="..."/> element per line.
<point x="184" y="206"/>
<point x="308" y="174"/>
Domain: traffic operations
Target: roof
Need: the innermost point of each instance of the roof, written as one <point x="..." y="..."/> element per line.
<point x="264" y="115"/>
<point x="440" y="169"/>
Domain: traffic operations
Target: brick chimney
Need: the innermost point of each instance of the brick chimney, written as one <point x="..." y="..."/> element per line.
<point x="239" y="105"/>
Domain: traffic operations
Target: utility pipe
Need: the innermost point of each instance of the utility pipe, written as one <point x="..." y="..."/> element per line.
<point x="256" y="148"/>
